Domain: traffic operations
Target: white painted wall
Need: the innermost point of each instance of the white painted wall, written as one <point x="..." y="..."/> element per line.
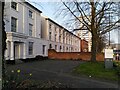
<point x="40" y="33"/>
<point x="59" y="31"/>
<point x="23" y="20"/>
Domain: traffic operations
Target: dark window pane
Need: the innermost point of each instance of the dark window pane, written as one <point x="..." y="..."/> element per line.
<point x="14" y="5"/>
<point x="13" y="24"/>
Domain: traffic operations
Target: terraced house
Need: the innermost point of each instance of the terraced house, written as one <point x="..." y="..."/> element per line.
<point x="59" y="38"/>
<point x="29" y="34"/>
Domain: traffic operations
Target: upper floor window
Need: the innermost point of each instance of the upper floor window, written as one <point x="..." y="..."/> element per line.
<point x="55" y="30"/>
<point x="30" y="14"/>
<point x="55" y="37"/>
<point x="50" y="26"/>
<point x="60" y="38"/>
<point x="63" y="40"/>
<point x="50" y="35"/>
<point x="75" y="41"/>
<point x="13" y="24"/>
<point x="14" y="5"/>
<point x="30" y="29"/>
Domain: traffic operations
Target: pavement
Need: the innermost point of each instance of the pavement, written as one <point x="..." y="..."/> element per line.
<point x="59" y="71"/>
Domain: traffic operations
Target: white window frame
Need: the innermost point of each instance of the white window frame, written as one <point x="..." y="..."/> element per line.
<point x="14" y="5"/>
<point x="43" y="48"/>
<point x="30" y="29"/>
<point x="56" y="47"/>
<point x="55" y="37"/>
<point x="30" y="14"/>
<point x="50" y="35"/>
<point x="30" y="48"/>
<point x="50" y="46"/>
<point x="13" y="24"/>
<point x="50" y="26"/>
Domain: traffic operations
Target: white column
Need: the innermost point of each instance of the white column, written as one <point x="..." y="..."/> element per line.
<point x="12" y="51"/>
<point x="24" y="51"/>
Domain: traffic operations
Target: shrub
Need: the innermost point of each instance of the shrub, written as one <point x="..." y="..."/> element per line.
<point x="38" y="57"/>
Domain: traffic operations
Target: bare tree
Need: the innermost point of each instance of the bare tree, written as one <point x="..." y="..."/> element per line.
<point x="101" y="43"/>
<point x="93" y="15"/>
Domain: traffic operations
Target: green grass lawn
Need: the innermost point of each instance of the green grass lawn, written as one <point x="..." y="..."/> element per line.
<point x="96" y="70"/>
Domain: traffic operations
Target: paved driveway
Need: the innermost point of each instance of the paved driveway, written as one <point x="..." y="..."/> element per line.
<point x="59" y="71"/>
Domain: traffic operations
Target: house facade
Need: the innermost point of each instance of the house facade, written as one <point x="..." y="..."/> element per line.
<point x="28" y="34"/>
<point x="58" y="37"/>
<point x="23" y="28"/>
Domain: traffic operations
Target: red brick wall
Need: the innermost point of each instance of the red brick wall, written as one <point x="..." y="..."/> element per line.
<point x="52" y="54"/>
<point x="84" y="46"/>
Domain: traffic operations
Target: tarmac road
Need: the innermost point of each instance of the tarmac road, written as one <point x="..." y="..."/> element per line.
<point x="58" y="70"/>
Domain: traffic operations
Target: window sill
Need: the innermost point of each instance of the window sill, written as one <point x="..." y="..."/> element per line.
<point x="31" y="55"/>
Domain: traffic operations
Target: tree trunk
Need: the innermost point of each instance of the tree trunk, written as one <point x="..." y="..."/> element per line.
<point x="93" y="53"/>
<point x="3" y="46"/>
<point x="93" y="31"/>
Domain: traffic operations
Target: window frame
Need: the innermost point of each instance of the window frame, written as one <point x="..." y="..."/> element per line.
<point x="50" y="46"/>
<point x="55" y="37"/>
<point x="30" y="14"/>
<point x="43" y="49"/>
<point x="14" y="5"/>
<point x="60" y="38"/>
<point x="30" y="29"/>
<point x="30" y="48"/>
<point x="56" y="47"/>
<point x="13" y="24"/>
<point x="50" y="26"/>
<point x="50" y="35"/>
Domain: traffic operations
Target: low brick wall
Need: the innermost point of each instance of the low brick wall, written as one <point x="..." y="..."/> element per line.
<point x="52" y="54"/>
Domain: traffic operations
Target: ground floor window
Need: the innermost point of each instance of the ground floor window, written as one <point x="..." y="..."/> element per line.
<point x="30" y="48"/>
<point x="50" y="46"/>
<point x="60" y="48"/>
<point x="56" y="47"/>
<point x="63" y="49"/>
<point x="43" y="49"/>
<point x="66" y="48"/>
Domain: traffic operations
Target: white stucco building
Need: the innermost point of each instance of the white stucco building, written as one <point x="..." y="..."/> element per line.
<point x="23" y="28"/>
<point x="59" y="38"/>
<point x="29" y="34"/>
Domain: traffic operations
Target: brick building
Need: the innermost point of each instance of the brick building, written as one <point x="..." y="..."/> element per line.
<point x="84" y="45"/>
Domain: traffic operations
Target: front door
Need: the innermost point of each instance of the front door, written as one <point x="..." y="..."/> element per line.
<point x="16" y="51"/>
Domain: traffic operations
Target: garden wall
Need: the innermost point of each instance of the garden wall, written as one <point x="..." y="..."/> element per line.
<point x="52" y="54"/>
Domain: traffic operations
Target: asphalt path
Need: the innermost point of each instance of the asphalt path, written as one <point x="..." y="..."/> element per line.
<point x="59" y="71"/>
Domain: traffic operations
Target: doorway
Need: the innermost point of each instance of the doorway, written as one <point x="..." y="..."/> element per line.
<point x="16" y="50"/>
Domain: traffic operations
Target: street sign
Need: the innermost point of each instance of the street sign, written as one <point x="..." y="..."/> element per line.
<point x="108" y="53"/>
<point x="108" y="58"/>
